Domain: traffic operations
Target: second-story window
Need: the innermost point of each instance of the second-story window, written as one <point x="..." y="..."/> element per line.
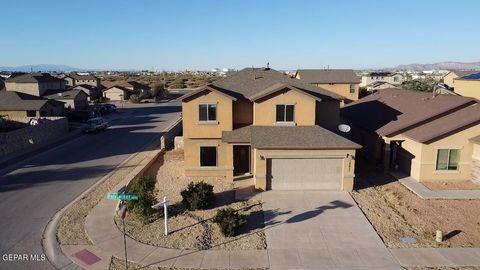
<point x="352" y="88"/>
<point x="207" y="112"/>
<point x="284" y="113"/>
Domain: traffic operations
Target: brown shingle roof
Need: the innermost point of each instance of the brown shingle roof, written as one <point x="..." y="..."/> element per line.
<point x="68" y="94"/>
<point x="249" y="82"/>
<point x="16" y="101"/>
<point x="445" y="125"/>
<point x="328" y="76"/>
<point x="390" y="111"/>
<point x="33" y="78"/>
<point x="282" y="137"/>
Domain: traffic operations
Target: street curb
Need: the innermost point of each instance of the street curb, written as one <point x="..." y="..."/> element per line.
<point x="50" y="245"/>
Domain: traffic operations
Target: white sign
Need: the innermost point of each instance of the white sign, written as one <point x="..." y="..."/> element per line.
<point x="163" y="204"/>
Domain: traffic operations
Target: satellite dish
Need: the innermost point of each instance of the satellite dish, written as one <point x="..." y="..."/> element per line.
<point x="344" y="128"/>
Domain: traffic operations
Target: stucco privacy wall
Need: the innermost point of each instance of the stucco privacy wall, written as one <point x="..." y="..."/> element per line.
<point x="261" y="156"/>
<point x="23" y="138"/>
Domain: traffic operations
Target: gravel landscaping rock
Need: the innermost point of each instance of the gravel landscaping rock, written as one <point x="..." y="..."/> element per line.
<point x="195" y="229"/>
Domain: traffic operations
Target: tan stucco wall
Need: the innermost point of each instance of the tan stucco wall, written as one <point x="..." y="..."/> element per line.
<point x="423" y="166"/>
<point x="327" y="114"/>
<point x="476" y="163"/>
<point x="242" y="112"/>
<point x="27" y="88"/>
<point x="304" y="111"/>
<point x="114" y="94"/>
<point x="47" y="108"/>
<point x="468" y="88"/>
<point x="192" y="158"/>
<point x="341" y="89"/>
<point x="192" y="128"/>
<point x="261" y="155"/>
<point x="449" y="78"/>
<point x="14" y="113"/>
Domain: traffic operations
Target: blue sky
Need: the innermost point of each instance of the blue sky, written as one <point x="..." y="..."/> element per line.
<point x="180" y="34"/>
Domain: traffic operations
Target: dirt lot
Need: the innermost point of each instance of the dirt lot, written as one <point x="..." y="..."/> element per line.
<point x="194" y="229"/>
<point x="395" y="212"/>
<point x="451" y="185"/>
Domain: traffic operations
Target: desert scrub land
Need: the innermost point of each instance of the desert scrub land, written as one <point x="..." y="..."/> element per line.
<point x="395" y="212"/>
<point x="195" y="229"/>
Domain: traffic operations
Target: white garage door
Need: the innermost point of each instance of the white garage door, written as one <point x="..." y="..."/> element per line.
<point x="304" y="173"/>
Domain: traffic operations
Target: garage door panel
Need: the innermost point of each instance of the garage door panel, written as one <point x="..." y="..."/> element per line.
<point x="305" y="173"/>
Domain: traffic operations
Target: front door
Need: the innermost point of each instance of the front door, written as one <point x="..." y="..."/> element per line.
<point x="241" y="159"/>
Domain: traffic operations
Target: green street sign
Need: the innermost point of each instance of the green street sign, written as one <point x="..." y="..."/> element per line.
<point x="122" y="196"/>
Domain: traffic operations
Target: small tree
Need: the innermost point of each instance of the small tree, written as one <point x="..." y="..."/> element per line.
<point x="158" y="90"/>
<point x="197" y="195"/>
<point x="142" y="207"/>
<point x="135" y="98"/>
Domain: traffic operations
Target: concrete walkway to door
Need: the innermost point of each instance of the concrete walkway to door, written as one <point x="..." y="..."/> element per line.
<point x="321" y="230"/>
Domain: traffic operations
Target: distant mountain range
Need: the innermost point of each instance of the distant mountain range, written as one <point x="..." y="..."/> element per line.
<point x="42" y="67"/>
<point x="439" y="66"/>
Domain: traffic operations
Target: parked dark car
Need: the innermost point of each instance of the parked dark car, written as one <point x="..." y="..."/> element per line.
<point x="100" y="109"/>
<point x="80" y="115"/>
<point x="95" y="125"/>
<point x="110" y="107"/>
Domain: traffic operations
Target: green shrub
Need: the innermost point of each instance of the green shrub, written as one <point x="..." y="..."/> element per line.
<point x="197" y="195"/>
<point x="229" y="221"/>
<point x="142" y="207"/>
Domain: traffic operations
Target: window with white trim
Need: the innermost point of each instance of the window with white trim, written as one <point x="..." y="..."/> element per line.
<point x="207" y="112"/>
<point x="447" y="159"/>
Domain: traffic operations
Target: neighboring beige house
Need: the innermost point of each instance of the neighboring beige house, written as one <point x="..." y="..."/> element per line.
<point x="75" y="79"/>
<point x="124" y="89"/>
<point x="426" y="137"/>
<point x="92" y="92"/>
<point x="36" y="84"/>
<point x="262" y="123"/>
<point x="468" y="86"/>
<point x="343" y="82"/>
<point x="74" y="99"/>
<point x="17" y="104"/>
<point x="117" y="93"/>
<point x="450" y="77"/>
<point x="389" y="77"/>
<point x="379" y="85"/>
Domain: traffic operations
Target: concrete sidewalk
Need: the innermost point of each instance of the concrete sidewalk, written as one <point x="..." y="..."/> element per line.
<point x="437" y="257"/>
<point x="425" y="193"/>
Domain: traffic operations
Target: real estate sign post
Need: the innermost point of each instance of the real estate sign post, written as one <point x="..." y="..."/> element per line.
<point x="163" y="204"/>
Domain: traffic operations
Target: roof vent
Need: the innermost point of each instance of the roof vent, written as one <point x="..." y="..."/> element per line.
<point x="268" y="66"/>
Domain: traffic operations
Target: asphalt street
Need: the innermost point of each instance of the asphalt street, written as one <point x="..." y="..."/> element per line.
<point x="33" y="190"/>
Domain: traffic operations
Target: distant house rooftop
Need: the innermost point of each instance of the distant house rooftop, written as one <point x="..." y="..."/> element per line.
<point x="472" y="76"/>
<point x="81" y="77"/>
<point x="33" y="78"/>
<point x="69" y="94"/>
<point x="328" y="76"/>
<point x="381" y="74"/>
<point x="422" y="117"/>
<point x="16" y="101"/>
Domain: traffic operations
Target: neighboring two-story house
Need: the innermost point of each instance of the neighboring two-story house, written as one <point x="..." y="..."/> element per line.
<point x="75" y="79"/>
<point x="36" y="84"/>
<point x="450" y="77"/>
<point x="343" y="82"/>
<point x="263" y="123"/>
<point x="123" y="90"/>
<point x="468" y="86"/>
<point x="389" y="77"/>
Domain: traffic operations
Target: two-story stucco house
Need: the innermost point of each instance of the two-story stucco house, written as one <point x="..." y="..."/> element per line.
<point x="36" y="84"/>
<point x="468" y="86"/>
<point x="343" y="82"/>
<point x="429" y="138"/>
<point x="389" y="77"/>
<point x="263" y="123"/>
<point x="450" y="77"/>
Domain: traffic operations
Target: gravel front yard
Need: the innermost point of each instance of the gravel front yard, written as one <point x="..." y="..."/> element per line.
<point x="194" y="229"/>
<point x="395" y="212"/>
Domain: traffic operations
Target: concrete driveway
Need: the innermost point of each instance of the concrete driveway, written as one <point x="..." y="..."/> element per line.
<point x="321" y="230"/>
